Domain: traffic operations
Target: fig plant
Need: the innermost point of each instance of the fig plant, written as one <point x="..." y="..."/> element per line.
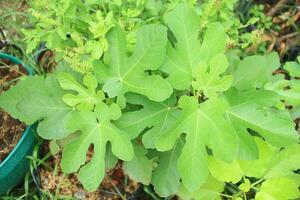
<point x="181" y="113"/>
<point x="76" y="30"/>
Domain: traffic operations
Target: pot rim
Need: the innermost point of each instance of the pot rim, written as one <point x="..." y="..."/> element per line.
<point x="25" y="133"/>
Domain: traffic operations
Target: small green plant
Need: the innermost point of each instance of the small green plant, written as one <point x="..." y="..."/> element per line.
<point x="76" y="31"/>
<point x="181" y="114"/>
<point x="264" y="21"/>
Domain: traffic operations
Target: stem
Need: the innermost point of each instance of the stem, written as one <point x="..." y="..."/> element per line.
<point x="257" y="182"/>
<point x="255" y="188"/>
<point x="276" y="8"/>
<point x="231" y="190"/>
<point x="288" y="36"/>
<point x="225" y="195"/>
<point x="252" y="186"/>
<point x="117" y="190"/>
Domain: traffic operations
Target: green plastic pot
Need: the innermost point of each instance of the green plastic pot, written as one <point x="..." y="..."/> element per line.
<point x="16" y="164"/>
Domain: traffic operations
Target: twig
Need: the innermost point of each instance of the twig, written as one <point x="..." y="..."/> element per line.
<point x="271" y="47"/>
<point x="288" y="36"/>
<point x="276" y="8"/>
<point x="117" y="190"/>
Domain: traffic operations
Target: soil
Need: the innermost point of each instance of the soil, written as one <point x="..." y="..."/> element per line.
<point x="11" y="130"/>
<point x="286" y="15"/>
<point x="115" y="186"/>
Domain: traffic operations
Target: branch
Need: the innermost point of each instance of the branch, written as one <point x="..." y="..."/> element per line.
<point x="276" y="8"/>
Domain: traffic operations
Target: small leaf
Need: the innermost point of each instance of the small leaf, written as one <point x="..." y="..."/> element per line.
<point x="282" y="182"/>
<point x="285" y="162"/>
<point x="281" y="188"/>
<point x="245" y="186"/>
<point x="211" y="190"/>
<point x="54" y="147"/>
<point x="288" y="90"/>
<point x="95" y="48"/>
<point x="166" y="179"/>
<point x="208" y="78"/>
<point x="140" y="167"/>
<point x="231" y="172"/>
<point x="110" y="159"/>
<point x="293" y="68"/>
<point x="31" y="45"/>
<point x="257" y="168"/>
<point x="86" y="97"/>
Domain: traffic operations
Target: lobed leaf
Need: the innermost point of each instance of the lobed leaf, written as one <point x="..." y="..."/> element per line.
<point x="86" y="97"/>
<point x="36" y="98"/>
<point x="156" y="116"/>
<point x="204" y="125"/>
<point x="128" y="74"/>
<point x="184" y="57"/>
<point x="10" y="98"/>
<point x="95" y="129"/>
<point x="288" y="90"/>
<point x="252" y="110"/>
<point x="208" y="78"/>
<point x="275" y="126"/>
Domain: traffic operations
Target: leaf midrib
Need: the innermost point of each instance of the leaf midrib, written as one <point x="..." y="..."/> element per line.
<point x="145" y="50"/>
<point x="148" y="116"/>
